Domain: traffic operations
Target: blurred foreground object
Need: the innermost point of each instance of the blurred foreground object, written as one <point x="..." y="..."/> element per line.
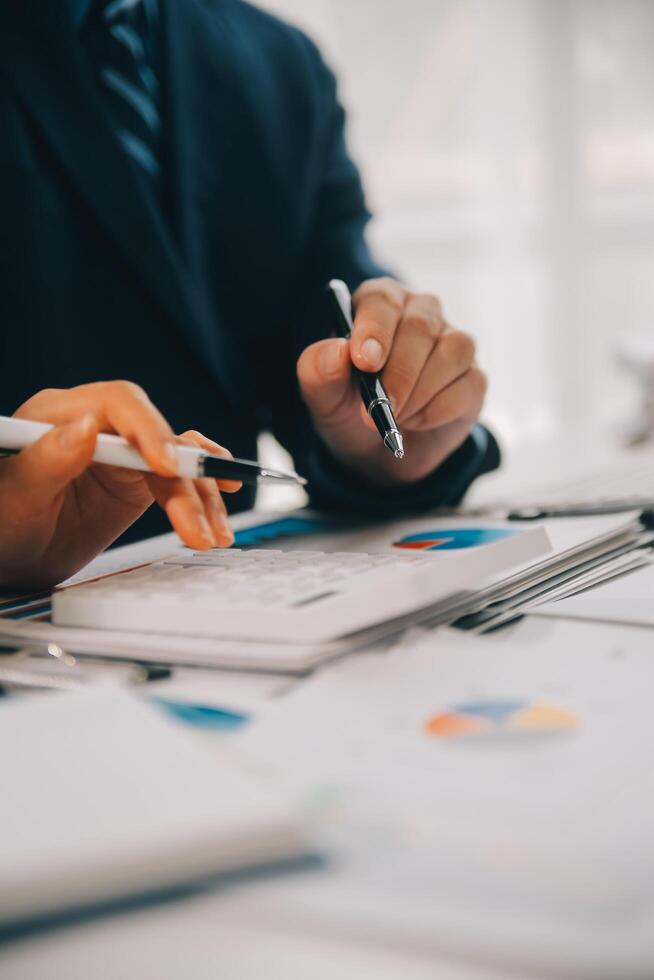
<point x="635" y="352"/>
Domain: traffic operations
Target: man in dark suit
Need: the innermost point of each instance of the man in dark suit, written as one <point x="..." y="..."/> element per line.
<point x="175" y="191"/>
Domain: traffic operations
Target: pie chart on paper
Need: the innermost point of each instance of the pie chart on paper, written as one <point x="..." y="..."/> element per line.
<point x="454" y="539"/>
<point x="498" y="717"/>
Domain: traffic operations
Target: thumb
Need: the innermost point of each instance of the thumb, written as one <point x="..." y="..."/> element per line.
<point x="42" y="470"/>
<point x="324" y="372"/>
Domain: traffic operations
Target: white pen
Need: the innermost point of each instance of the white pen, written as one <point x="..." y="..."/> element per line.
<point x="16" y="434"/>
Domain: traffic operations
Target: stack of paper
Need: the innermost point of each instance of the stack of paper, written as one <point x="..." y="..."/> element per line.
<point x="584" y="550"/>
<point x="626" y="598"/>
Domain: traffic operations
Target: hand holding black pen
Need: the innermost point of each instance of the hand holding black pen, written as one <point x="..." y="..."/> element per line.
<point x="375" y="399"/>
<point x="426" y="366"/>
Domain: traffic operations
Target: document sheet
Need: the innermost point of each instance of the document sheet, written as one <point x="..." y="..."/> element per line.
<point x="496" y="795"/>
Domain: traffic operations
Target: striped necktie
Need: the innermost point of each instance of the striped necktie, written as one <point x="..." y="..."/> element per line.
<point x="121" y="37"/>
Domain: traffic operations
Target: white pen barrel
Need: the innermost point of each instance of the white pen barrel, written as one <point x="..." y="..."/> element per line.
<point x="115" y="451"/>
<point x="110" y="449"/>
<point x="18" y="433"/>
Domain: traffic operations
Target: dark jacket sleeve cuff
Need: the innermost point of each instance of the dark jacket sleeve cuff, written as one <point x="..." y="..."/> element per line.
<point x="334" y="487"/>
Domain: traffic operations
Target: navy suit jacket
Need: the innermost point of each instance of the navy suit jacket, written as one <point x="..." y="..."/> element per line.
<point x="206" y="297"/>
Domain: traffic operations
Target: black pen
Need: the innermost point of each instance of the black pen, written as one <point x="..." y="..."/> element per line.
<point x="590" y="509"/>
<point x="16" y="434"/>
<point x="377" y="402"/>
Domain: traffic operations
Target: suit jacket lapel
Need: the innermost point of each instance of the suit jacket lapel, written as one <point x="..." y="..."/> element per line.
<point x="42" y="57"/>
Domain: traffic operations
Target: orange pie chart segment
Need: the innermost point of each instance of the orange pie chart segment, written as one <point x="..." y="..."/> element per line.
<point x="451" y="725"/>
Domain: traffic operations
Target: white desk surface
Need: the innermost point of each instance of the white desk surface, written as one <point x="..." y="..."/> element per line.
<point x="232" y="933"/>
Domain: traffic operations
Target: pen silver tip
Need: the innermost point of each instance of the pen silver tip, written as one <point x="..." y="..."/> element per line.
<point x="395" y="443"/>
<point x="278" y="476"/>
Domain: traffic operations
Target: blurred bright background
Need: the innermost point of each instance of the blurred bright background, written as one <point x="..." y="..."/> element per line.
<point x="507" y="148"/>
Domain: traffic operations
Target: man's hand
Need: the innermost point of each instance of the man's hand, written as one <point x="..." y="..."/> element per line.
<point x="58" y="509"/>
<point x="428" y="370"/>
